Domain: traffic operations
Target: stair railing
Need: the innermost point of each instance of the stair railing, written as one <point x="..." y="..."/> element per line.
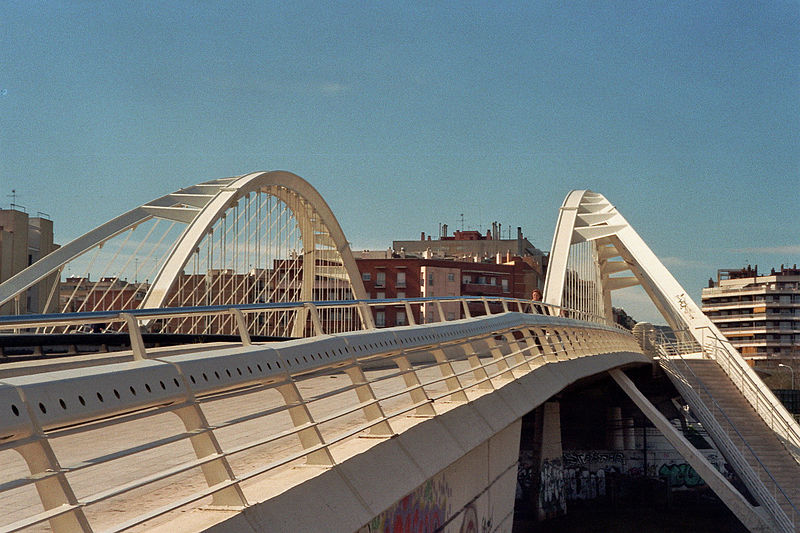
<point x="769" y="408"/>
<point x="710" y="413"/>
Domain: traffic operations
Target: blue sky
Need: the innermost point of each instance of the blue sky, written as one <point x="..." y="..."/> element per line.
<point x="685" y="115"/>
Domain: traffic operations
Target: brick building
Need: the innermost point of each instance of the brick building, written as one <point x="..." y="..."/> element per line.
<point x="413" y="277"/>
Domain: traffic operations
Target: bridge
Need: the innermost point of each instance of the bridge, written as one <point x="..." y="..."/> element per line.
<point x="340" y="425"/>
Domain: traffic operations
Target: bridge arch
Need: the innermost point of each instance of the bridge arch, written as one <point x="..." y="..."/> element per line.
<point x="595" y="251"/>
<point x="273" y="228"/>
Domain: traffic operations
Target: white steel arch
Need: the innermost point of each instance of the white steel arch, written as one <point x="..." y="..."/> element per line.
<point x="315" y="247"/>
<point x="620" y="257"/>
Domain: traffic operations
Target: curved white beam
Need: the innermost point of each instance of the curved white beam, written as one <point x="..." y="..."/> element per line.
<point x="200" y="206"/>
<point x="229" y="195"/>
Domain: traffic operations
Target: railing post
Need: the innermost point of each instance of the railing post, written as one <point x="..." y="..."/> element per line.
<point x="315" y="321"/>
<point x="452" y="381"/>
<point x="417" y="392"/>
<point x="135" y="334"/>
<point x="372" y="410"/>
<point x="440" y="310"/>
<point x="366" y="315"/>
<point x="310" y="435"/>
<point x="53" y="488"/>
<point x="486" y="305"/>
<point x="241" y="325"/>
<point x="465" y="306"/>
<point x="410" y="314"/>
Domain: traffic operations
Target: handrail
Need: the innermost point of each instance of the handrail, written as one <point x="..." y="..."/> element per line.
<point x="88" y="317"/>
<point x="734" y="452"/>
<point x="783" y="424"/>
<point x="136" y="317"/>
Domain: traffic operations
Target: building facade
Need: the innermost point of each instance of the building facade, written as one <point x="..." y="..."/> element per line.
<point x="760" y="315"/>
<point x="23" y="241"/>
<point x="414" y="277"/>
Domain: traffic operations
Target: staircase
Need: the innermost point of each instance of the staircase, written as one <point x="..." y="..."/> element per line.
<point x="767" y="468"/>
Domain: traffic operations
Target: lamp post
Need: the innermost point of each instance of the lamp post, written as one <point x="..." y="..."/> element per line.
<point x="790" y="370"/>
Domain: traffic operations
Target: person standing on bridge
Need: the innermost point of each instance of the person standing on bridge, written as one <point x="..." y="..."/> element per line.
<point x="536" y="296"/>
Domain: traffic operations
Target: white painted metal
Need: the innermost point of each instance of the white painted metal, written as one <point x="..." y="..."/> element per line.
<point x="419" y="365"/>
<point x="318" y="263"/>
<point x="587" y="216"/>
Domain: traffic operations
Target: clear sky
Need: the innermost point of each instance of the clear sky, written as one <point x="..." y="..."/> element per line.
<point x="685" y="115"/>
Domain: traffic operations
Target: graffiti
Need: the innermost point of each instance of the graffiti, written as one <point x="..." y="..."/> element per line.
<point x="572" y="459"/>
<point x="551" y="487"/>
<point x="424" y="510"/>
<point x="680" y="475"/>
<point x="582" y="484"/>
<point x="470" y="522"/>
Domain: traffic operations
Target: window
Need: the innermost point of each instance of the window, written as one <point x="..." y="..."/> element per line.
<point x="401" y="294"/>
<point x="401" y="279"/>
<point x="366" y="276"/>
<point x="401" y="318"/>
<point x="451" y="277"/>
<point x="380" y="280"/>
<point x="505" y="285"/>
<point x="466" y="279"/>
<point x="380" y="295"/>
<point x="451" y="315"/>
<point x="380" y="319"/>
<point x="430" y="279"/>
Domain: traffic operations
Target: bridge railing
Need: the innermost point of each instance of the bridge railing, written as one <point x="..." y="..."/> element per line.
<point x="118" y="446"/>
<point x="243" y="320"/>
<point x="771" y="410"/>
<point x="766" y="489"/>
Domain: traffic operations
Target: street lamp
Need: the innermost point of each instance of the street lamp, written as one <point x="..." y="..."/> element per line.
<point x="790" y="370"/>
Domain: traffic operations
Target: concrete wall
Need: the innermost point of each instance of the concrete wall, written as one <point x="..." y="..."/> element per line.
<point x="473" y="494"/>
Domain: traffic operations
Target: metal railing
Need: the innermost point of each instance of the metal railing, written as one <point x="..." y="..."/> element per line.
<point x="766" y="489"/>
<point x="243" y="316"/>
<point x="769" y="408"/>
<point x="121" y="446"/>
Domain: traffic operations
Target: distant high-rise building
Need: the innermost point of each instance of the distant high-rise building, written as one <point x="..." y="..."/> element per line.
<point x="760" y="315"/>
<point x="23" y="241"/>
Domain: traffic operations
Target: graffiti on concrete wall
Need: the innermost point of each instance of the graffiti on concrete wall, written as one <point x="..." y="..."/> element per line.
<point x="582" y="484"/>
<point x="598" y="459"/>
<point x="551" y="487"/>
<point x="424" y="510"/>
<point x="680" y="475"/>
<point x="586" y="473"/>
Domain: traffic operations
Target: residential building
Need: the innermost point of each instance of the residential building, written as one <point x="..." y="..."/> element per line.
<point x="414" y="277"/>
<point x="23" y="241"/>
<point x="473" y="245"/>
<point x="760" y="315"/>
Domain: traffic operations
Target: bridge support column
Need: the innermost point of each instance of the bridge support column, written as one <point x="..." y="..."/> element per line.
<point x="542" y="471"/>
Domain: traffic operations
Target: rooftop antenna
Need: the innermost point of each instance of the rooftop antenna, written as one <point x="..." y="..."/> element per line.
<point x="13" y="197"/>
<point x="462" y="221"/>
